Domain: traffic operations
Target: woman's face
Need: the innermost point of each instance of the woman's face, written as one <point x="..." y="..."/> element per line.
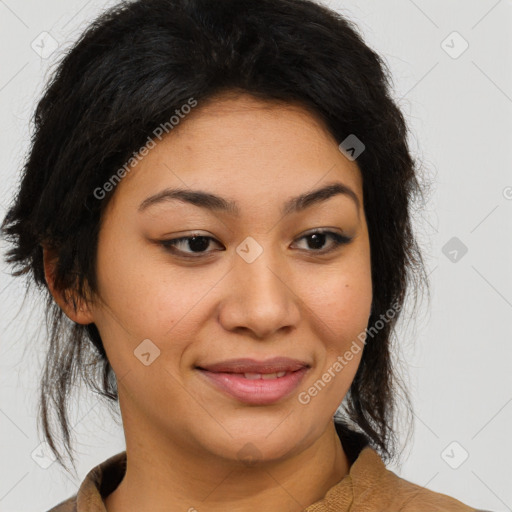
<point x="259" y="285"/>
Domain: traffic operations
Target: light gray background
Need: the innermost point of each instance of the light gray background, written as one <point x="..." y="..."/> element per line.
<point x="457" y="355"/>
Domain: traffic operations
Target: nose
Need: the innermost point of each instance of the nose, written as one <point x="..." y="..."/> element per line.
<point x="260" y="298"/>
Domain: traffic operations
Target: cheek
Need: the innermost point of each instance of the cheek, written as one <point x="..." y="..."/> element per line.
<point x="344" y="320"/>
<point x="341" y="299"/>
<point x="129" y="285"/>
<point x="340" y="305"/>
<point x="144" y="300"/>
<point x="341" y="314"/>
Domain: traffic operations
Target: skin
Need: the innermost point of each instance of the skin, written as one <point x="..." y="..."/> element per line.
<point x="183" y="436"/>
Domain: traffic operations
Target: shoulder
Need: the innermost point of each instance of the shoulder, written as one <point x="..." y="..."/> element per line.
<point x="411" y="497"/>
<point x="373" y="481"/>
<point x="370" y="486"/>
<point x="68" y="505"/>
<point x="99" y="483"/>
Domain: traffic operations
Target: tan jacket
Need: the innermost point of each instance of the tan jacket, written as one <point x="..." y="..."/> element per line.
<point x="368" y="487"/>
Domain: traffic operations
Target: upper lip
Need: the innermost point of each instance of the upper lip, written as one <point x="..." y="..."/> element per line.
<point x="246" y="365"/>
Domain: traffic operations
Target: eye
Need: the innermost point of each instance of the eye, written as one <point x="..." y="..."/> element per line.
<point x="319" y="236"/>
<point x="197" y="244"/>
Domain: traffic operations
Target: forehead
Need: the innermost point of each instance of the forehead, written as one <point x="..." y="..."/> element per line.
<point x="240" y="146"/>
<point x="251" y="116"/>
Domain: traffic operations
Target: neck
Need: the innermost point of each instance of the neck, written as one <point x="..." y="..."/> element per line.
<point x="175" y="479"/>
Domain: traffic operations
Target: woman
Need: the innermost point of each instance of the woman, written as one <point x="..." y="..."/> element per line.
<point x="189" y="158"/>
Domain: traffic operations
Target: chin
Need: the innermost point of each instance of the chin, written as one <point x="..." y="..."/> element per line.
<point x="259" y="447"/>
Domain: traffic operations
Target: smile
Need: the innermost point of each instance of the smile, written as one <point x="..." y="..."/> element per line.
<point x="255" y="388"/>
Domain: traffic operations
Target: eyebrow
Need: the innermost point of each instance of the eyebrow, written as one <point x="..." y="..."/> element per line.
<point x="213" y="202"/>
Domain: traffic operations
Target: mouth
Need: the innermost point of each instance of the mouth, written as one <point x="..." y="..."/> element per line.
<point x="253" y="382"/>
<point x="247" y="365"/>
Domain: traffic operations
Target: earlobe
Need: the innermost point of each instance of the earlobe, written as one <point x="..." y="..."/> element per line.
<point x="74" y="307"/>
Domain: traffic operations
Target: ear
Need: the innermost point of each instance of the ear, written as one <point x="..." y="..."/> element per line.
<point x="82" y="314"/>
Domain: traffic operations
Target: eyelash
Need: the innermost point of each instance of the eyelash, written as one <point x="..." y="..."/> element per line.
<point x="338" y="241"/>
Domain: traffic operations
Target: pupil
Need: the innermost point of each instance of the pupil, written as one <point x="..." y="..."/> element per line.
<point x="198" y="246"/>
<point x="317" y="237"/>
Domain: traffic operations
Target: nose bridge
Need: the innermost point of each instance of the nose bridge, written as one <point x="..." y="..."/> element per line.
<point x="260" y="276"/>
<point x="261" y="299"/>
<point x="257" y="267"/>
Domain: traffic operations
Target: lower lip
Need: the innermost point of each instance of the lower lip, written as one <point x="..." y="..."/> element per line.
<point x="257" y="391"/>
